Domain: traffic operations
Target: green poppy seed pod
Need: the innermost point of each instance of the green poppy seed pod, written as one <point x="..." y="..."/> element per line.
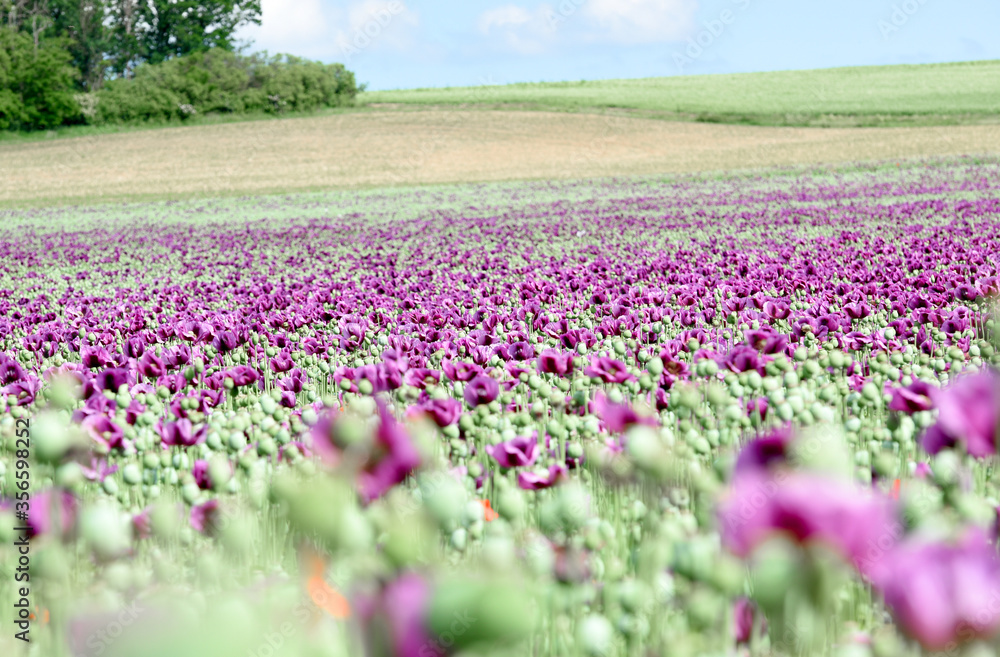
<point x="190" y="493"/>
<point x="655" y="367"/>
<point x="50" y="437"/>
<point x="219" y="471"/>
<point x="105" y="531"/>
<point x="51" y="563"/>
<point x="110" y="486"/>
<point x="574" y="505"/>
<point x="132" y="474"/>
<point x="459" y="539"/>
<point x="68" y="475"/>
<point x="595" y="636"/>
<point x="946" y="469"/>
<point x="443" y="497"/>
<point x="511" y="504"/>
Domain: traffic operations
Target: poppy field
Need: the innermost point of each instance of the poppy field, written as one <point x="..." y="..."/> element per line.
<point x="749" y="415"/>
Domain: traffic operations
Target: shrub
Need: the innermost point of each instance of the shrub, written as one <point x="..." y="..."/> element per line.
<point x="36" y="84"/>
<point x="221" y="82"/>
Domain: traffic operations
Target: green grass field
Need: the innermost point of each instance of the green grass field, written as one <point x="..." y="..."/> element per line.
<point x="876" y="95"/>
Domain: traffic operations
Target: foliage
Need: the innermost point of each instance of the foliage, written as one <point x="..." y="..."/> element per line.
<point x="218" y="81"/>
<point x="36" y="83"/>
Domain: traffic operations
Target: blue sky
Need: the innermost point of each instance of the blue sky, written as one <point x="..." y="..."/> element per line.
<point x="393" y="44"/>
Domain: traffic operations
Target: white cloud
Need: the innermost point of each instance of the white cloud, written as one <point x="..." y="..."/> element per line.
<point x="508" y="15"/>
<point x="312" y="28"/>
<point x="287" y="25"/>
<point x="642" y="21"/>
<point x="519" y="29"/>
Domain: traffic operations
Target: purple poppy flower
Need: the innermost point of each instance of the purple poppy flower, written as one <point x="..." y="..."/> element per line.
<point x="52" y="511"/>
<point x="744" y="613"/>
<point x="535" y="481"/>
<point x="764" y="453"/>
<point x="517" y="452"/>
<point x="399" y="457"/>
<point x="444" y="412"/>
<point x="106" y="433"/>
<point x="99" y="470"/>
<point x="968" y="415"/>
<point x="744" y="359"/>
<point x="205" y="517"/>
<point x="808" y="508"/>
<point x="23" y="392"/>
<point x="151" y="366"/>
<point x="481" y="390"/>
<point x="460" y="371"/>
<point x="141" y="525"/>
<point x="617" y="417"/>
<point x="395" y="619"/>
<point x="944" y="594"/>
<point x="200" y="472"/>
<point x="182" y="433"/>
<point x="551" y="361"/>
<point x="10" y="370"/>
<point x="918" y="396"/>
<point x="608" y="370"/>
<point x="242" y="375"/>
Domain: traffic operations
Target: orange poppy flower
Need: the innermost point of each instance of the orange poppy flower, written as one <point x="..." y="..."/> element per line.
<point x="490" y="514"/>
<point x="322" y="594"/>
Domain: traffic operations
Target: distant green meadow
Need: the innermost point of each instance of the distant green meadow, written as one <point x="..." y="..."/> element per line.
<point x="934" y="94"/>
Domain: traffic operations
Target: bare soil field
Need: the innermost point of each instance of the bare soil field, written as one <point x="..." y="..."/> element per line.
<point x="386" y="148"/>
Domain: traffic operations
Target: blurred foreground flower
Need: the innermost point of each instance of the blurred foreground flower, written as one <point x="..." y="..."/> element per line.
<point x="969" y="415"/>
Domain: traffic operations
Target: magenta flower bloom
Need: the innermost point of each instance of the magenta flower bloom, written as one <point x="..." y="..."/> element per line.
<point x="23" y="392"/>
<point x="103" y="431"/>
<point x="444" y="412"/>
<point x="99" y="470"/>
<point x="141" y="525"/>
<point x="515" y="453"/>
<point x="534" y="481"/>
<point x="744" y="358"/>
<point x="242" y="375"/>
<point x="968" y="415"/>
<point x="481" y="390"/>
<point x="551" y="361"/>
<point x="52" y="511"/>
<point x="918" y="396"/>
<point x="10" y="370"/>
<point x="460" y="371"/>
<point x="200" y="472"/>
<point x="764" y="453"/>
<point x="396" y="618"/>
<point x="808" y="508"/>
<point x="205" y="517"/>
<point x="399" y="457"/>
<point x="182" y="433"/>
<point x="608" y="370"/>
<point x="744" y="613"/>
<point x="943" y="595"/>
<point x="617" y="417"/>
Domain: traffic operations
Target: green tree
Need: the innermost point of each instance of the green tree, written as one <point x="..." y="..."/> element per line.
<point x="172" y="28"/>
<point x="84" y="24"/>
<point x="36" y="81"/>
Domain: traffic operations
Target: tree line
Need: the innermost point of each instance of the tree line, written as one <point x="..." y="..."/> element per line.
<point x="78" y="61"/>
